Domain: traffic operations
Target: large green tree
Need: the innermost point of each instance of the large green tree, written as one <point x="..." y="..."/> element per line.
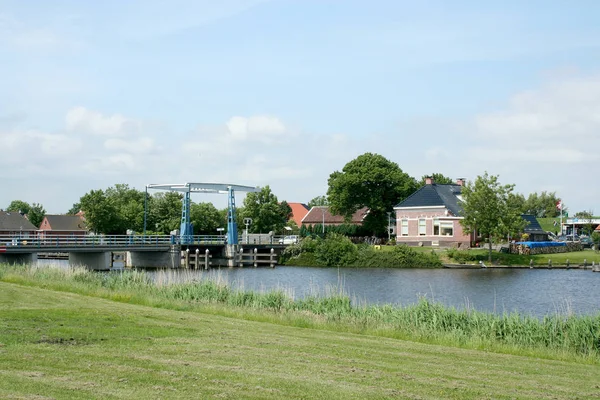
<point x="206" y="219"/>
<point x="372" y="181"/>
<point x="266" y="212"/>
<point x="100" y="213"/>
<point x="164" y="214"/>
<point x="488" y="211"/>
<point x="19" y="206"/>
<point x="36" y="214"/>
<point x="437" y="178"/>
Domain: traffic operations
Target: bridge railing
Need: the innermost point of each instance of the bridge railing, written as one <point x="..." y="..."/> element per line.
<point x="55" y="241"/>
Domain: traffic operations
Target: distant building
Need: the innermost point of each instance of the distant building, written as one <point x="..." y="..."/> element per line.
<point x="15" y="224"/>
<point x="431" y="216"/>
<point x="321" y="215"/>
<point x="62" y="225"/>
<point x="299" y="211"/>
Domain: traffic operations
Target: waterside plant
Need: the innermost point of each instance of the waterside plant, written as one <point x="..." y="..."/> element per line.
<point x="554" y="336"/>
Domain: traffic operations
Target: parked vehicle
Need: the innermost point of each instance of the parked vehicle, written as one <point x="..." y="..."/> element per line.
<point x="291" y="239"/>
<point x="587" y="242"/>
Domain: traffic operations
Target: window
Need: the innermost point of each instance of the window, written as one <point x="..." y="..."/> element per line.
<point x="422" y="227"/>
<point x="404" y="227"/>
<point x="446" y="228"/>
<point x="436" y="227"/>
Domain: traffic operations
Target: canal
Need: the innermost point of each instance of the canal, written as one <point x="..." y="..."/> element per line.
<point x="535" y="292"/>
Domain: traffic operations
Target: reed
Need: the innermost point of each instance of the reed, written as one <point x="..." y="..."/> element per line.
<point x="558" y="334"/>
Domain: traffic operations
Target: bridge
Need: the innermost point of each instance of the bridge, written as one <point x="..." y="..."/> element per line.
<point x="97" y="251"/>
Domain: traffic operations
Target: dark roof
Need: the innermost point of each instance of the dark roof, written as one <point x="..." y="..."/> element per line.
<point x="315" y="216"/>
<point x="435" y="195"/>
<point x="13" y="221"/>
<point x="533" y="226"/>
<point x="69" y="223"/>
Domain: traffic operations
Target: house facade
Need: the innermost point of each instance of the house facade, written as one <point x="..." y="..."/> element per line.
<point x="62" y="225"/>
<point x="15" y="225"/>
<point x="431" y="217"/>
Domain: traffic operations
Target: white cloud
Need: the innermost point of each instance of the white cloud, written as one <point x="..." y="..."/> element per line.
<point x="263" y="128"/>
<point x="80" y="119"/>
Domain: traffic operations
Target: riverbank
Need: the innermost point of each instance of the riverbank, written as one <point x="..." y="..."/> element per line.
<point x="63" y="345"/>
<point x="555" y="336"/>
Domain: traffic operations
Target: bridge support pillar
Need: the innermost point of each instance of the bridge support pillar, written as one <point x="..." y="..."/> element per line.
<point x="92" y="260"/>
<point x="23" y="258"/>
<point x="231" y="254"/>
<point x="154" y="259"/>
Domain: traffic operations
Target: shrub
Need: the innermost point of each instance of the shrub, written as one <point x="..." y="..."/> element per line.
<point x="336" y="251"/>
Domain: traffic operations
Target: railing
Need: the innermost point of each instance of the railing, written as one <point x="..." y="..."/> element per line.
<point x="61" y="241"/>
<point x="57" y="241"/>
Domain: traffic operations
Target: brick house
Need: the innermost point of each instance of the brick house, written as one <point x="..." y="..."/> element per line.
<point x="318" y="215"/>
<point x="431" y="216"/>
<point x="62" y="225"/>
<point x="15" y="225"/>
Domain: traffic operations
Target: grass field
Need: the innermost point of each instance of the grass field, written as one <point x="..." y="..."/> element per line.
<point x="67" y="346"/>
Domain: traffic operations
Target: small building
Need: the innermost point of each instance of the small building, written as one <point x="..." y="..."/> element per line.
<point x="299" y="211"/>
<point x="16" y="225"/>
<point x="533" y="229"/>
<point x="431" y="216"/>
<point x="62" y="225"/>
<point x="320" y="215"/>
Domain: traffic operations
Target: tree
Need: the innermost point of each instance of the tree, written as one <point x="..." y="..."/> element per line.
<point x="129" y="205"/>
<point x="372" y="181"/>
<point x="266" y="212"/>
<point x="75" y="208"/>
<point x="36" y="214"/>
<point x="164" y="212"/>
<point x="318" y="201"/>
<point x="206" y="219"/>
<point x="488" y="211"/>
<point x="100" y="213"/>
<point x="586" y="217"/>
<point x="542" y="205"/>
<point x="437" y="178"/>
<point x="19" y="206"/>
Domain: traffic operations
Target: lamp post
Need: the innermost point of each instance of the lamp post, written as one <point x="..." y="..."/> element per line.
<point x="220" y="230"/>
<point x="247" y="222"/>
<point x="389" y="214"/>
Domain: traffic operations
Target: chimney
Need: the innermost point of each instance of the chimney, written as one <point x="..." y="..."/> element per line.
<point x="460" y="181"/>
<point x="429" y="180"/>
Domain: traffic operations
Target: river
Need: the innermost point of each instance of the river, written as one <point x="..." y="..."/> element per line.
<point x="535" y="292"/>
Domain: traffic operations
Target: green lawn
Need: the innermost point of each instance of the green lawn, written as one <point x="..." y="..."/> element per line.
<point x="67" y="346"/>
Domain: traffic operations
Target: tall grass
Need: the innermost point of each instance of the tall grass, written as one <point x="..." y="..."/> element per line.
<point x="426" y="321"/>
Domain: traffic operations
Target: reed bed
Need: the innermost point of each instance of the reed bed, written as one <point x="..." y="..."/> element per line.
<point x="560" y="334"/>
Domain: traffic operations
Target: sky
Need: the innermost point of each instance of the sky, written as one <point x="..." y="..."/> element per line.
<point x="285" y="92"/>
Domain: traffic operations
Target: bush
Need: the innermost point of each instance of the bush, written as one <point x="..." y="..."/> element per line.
<point x="336" y="251"/>
<point x="462" y="256"/>
<point x="400" y="257"/>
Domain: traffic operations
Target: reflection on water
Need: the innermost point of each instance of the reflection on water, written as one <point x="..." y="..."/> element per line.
<point x="529" y="291"/>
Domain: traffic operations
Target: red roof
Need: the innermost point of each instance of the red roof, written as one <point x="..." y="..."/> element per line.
<point x="299" y="211"/>
<point x="318" y="213"/>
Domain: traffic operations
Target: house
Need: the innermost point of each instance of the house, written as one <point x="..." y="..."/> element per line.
<point x="321" y="215"/>
<point x="299" y="211"/>
<point x="431" y="216"/>
<point x="62" y="225"/>
<point x="533" y="229"/>
<point x="16" y="225"/>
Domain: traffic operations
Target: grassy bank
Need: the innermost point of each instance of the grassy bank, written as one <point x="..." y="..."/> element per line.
<point x="476" y="255"/>
<point x="555" y="336"/>
<point x="62" y="345"/>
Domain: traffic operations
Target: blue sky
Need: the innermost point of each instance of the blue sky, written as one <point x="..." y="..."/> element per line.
<point x="284" y="92"/>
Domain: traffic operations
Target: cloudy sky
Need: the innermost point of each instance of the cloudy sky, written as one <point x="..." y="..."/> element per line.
<point x="284" y="92"/>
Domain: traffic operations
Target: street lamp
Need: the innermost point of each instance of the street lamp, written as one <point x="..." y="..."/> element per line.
<point x="323" y="211"/>
<point x="247" y="222"/>
<point x="389" y="214"/>
<point x="220" y="230"/>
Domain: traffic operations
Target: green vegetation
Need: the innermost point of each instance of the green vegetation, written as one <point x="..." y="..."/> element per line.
<point x="338" y="251"/>
<point x="473" y="256"/>
<point x="34" y="212"/>
<point x="372" y="181"/>
<point x="490" y="211"/>
<point x="266" y="212"/>
<point x="63" y="345"/>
